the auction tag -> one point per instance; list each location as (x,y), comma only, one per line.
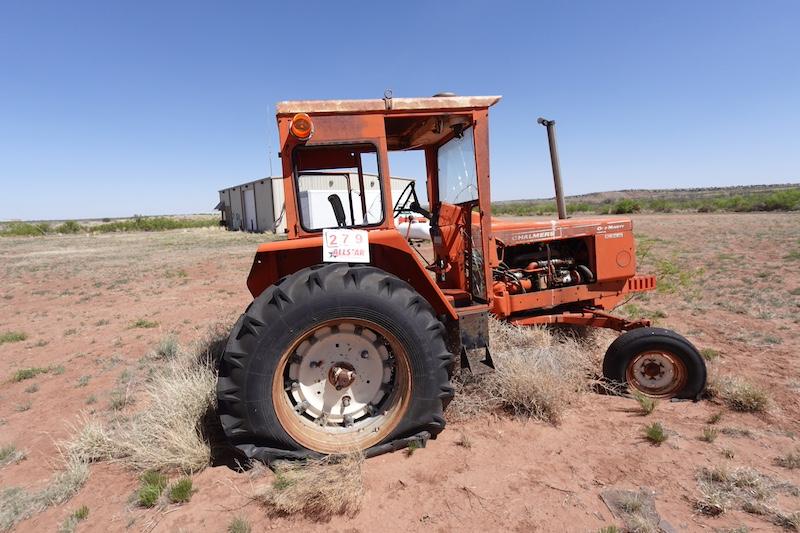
(345,246)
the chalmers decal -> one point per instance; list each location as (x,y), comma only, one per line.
(533,235)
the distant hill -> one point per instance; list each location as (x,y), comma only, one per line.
(740,198)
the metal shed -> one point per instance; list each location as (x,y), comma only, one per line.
(259,205)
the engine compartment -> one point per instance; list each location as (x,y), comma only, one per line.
(538,266)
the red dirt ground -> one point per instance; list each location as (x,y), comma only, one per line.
(737,291)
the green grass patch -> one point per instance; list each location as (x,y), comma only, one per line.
(181,491)
(239,525)
(646,403)
(411,448)
(81,513)
(152,485)
(28,373)
(709,354)
(143,323)
(10,454)
(12,336)
(655,433)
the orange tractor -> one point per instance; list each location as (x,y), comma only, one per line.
(353,335)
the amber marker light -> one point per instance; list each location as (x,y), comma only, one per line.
(302,127)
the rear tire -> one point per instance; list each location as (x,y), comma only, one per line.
(331,359)
(656,362)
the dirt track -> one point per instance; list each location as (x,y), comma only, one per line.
(736,290)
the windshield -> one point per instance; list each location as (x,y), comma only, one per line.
(457,173)
(347,176)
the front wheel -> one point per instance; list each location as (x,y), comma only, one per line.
(656,362)
(333,359)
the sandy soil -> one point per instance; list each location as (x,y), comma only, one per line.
(78,298)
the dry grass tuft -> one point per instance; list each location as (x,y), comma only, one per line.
(537,375)
(166,434)
(17,504)
(790,521)
(317,488)
(790,460)
(739,394)
(709,434)
(743,488)
(9,454)
(239,524)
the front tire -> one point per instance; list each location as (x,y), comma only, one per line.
(656,362)
(332,359)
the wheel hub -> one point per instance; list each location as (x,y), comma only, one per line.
(339,376)
(656,373)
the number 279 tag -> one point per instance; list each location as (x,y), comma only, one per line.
(345,246)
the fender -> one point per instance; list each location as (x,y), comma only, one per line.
(388,251)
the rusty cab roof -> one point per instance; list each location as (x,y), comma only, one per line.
(386,105)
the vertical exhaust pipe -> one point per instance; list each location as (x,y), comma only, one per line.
(551,139)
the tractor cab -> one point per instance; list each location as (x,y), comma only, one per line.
(347,143)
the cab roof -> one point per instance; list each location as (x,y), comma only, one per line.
(445,103)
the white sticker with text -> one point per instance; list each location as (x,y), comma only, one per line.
(345,246)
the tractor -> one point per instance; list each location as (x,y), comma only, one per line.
(353,334)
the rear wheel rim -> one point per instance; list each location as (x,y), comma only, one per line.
(343,385)
(656,373)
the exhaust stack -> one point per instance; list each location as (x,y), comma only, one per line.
(551,139)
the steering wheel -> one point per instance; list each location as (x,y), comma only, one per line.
(409,194)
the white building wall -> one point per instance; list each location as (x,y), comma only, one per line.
(270,199)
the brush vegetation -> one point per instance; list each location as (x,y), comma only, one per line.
(316,488)
(137,223)
(787,199)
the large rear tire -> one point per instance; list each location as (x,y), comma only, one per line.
(332,359)
(656,362)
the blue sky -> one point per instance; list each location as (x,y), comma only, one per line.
(112,108)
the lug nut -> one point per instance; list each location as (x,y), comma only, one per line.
(364,354)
